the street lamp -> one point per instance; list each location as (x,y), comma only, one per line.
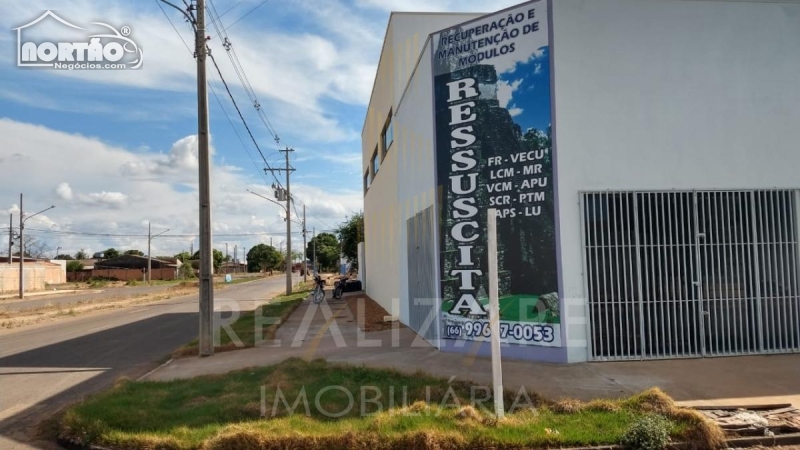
(288,253)
(22,220)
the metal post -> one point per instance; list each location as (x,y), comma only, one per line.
(305,246)
(494,315)
(206,253)
(149,258)
(21,252)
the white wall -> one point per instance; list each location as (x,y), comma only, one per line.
(671,94)
(404,183)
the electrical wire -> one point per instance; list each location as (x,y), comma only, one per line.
(214,92)
(241,74)
(264,2)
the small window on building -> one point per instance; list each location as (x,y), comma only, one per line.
(376,163)
(367,181)
(388,134)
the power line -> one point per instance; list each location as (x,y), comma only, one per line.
(241,74)
(213,91)
(103,235)
(239,111)
(245,15)
(232,8)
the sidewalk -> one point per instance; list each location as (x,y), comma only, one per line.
(310,333)
(15,295)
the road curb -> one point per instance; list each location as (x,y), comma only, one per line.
(156,369)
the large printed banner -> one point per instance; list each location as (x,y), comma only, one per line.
(493,150)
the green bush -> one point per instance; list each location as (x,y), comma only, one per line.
(647,433)
(74,266)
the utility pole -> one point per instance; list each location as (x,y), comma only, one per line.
(206,255)
(21,252)
(227,266)
(235,258)
(315,250)
(10,236)
(288,199)
(22,245)
(288,223)
(305,246)
(149,258)
(270,242)
(244,256)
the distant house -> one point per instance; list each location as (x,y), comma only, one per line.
(232,267)
(135,262)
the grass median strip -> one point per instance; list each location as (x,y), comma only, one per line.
(245,328)
(318,405)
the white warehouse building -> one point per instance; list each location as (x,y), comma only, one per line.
(644,160)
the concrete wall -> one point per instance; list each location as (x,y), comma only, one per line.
(406,172)
(670,94)
(36,278)
(122,274)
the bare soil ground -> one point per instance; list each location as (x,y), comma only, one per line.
(370,315)
(15,319)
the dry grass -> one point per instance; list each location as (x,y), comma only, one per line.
(30,316)
(16,319)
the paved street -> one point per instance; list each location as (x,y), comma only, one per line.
(46,367)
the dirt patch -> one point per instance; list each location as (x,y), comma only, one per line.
(369,314)
(15,319)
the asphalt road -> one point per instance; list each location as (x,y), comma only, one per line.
(46,367)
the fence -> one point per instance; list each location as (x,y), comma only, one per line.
(690,274)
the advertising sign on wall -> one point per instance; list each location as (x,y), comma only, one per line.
(493,150)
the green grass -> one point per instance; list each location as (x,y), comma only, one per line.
(245,328)
(510,308)
(224,412)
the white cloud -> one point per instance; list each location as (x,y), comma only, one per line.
(64,191)
(95,196)
(505,91)
(438,5)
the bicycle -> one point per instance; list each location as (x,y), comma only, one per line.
(319,290)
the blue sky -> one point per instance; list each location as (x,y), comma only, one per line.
(114,150)
(530,94)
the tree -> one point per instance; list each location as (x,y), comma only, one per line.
(263,257)
(183,256)
(33,248)
(74,266)
(81,255)
(65,257)
(135,252)
(111,253)
(327,251)
(219,257)
(351,232)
